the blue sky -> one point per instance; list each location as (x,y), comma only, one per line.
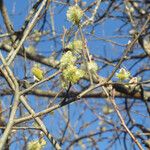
(107,30)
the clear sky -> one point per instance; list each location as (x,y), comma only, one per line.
(18,9)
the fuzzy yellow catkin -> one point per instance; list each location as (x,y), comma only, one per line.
(38,73)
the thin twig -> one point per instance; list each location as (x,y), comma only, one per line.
(122,120)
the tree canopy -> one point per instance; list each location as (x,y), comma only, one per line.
(75,74)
